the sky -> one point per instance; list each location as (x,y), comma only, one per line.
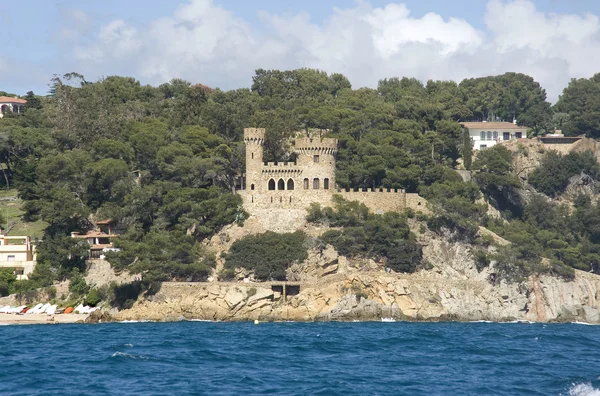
(220,43)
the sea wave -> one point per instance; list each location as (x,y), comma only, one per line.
(584,390)
(129,356)
(135,321)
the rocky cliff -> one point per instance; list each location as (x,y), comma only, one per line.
(335,288)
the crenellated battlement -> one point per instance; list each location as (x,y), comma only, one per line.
(254,135)
(281,171)
(325,145)
(279,164)
(373,190)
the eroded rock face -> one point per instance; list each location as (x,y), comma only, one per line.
(333,287)
(446,292)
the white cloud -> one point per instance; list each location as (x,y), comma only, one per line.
(204,42)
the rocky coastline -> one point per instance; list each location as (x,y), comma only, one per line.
(333,288)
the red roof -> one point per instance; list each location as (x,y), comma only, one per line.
(8,99)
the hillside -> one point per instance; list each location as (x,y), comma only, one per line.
(11,209)
(166,165)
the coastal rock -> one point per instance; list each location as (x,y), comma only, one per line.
(333,287)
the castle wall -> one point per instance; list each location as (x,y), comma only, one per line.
(378,200)
(417,203)
(286,199)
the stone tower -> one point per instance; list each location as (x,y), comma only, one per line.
(254,139)
(316,158)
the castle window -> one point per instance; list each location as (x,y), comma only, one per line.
(326,184)
(281,184)
(290,184)
(315,184)
(306,184)
(271,184)
(316,158)
(251,186)
(252,155)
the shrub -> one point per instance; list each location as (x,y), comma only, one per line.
(93,298)
(268,255)
(7,278)
(552,176)
(381,237)
(78,285)
(481,259)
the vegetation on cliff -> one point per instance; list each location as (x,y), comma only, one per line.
(358,233)
(267,255)
(163,162)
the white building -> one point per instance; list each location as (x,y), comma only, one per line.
(487,134)
(17,253)
(14,105)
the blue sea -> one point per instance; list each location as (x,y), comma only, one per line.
(207,358)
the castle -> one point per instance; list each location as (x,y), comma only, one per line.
(292,186)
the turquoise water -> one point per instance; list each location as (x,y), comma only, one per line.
(300,359)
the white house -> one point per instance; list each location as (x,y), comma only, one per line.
(487,134)
(14,105)
(17,253)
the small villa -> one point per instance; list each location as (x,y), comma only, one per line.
(9,104)
(17,253)
(100,239)
(487,134)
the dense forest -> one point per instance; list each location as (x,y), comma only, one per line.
(75,153)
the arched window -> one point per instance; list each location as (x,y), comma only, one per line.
(281,184)
(271,184)
(290,184)
(482,136)
(489,135)
(251,186)
(15,109)
(326,184)
(3,108)
(495,135)
(306,184)
(315,184)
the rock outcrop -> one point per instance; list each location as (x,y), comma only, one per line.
(335,288)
